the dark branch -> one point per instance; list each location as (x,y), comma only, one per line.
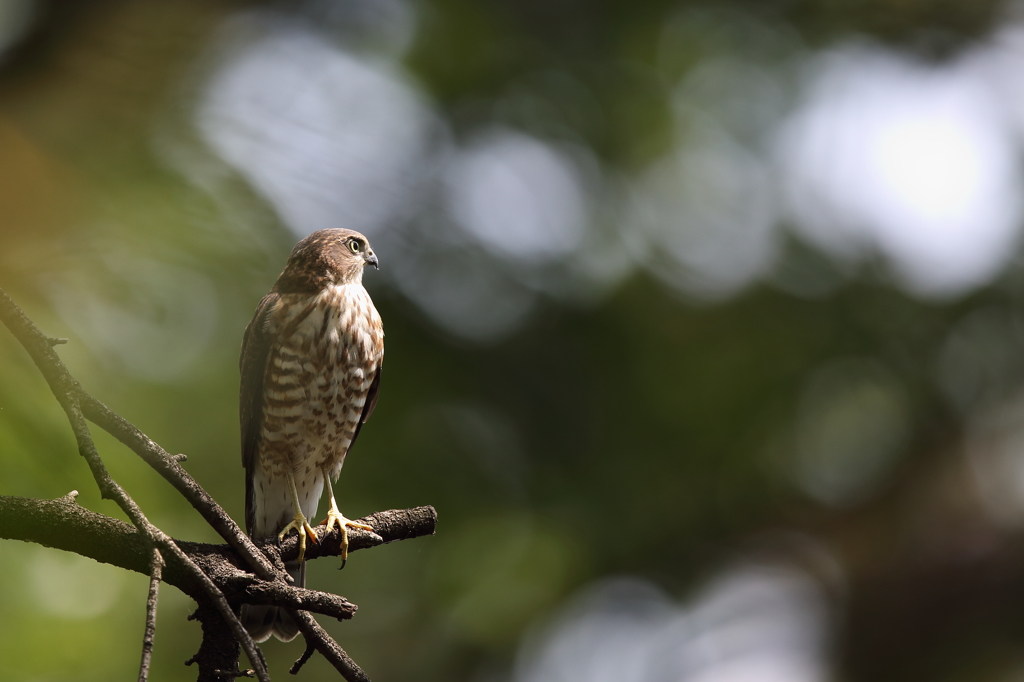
(156,570)
(217,657)
(63,524)
(301,660)
(318,638)
(168,466)
(71,397)
(65,388)
(388,526)
(211,574)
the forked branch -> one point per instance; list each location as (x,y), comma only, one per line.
(219,577)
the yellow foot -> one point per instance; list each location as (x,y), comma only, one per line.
(335,518)
(300,525)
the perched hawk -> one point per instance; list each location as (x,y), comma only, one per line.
(310,366)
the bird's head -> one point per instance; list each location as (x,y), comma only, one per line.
(334,256)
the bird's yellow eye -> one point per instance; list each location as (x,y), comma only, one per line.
(355,245)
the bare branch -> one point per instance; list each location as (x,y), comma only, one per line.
(63,524)
(65,387)
(157,565)
(70,396)
(213,594)
(317,637)
(212,574)
(168,466)
(301,660)
(217,657)
(388,526)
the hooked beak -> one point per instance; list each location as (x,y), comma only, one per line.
(371,258)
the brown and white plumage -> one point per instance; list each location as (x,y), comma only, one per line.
(310,366)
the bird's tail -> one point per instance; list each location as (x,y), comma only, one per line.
(262,621)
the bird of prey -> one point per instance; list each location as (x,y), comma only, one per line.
(310,366)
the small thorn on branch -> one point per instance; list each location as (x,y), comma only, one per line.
(180,457)
(70,498)
(53,341)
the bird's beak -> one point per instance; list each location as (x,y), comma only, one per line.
(371,258)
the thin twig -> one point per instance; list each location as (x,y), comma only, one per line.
(301,660)
(156,573)
(319,638)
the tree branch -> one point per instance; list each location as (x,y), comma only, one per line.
(63,385)
(212,574)
(318,638)
(69,393)
(156,569)
(63,524)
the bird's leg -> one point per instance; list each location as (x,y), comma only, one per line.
(300,524)
(335,517)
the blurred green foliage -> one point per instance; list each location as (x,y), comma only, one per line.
(639,432)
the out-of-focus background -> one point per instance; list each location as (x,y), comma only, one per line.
(705,322)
